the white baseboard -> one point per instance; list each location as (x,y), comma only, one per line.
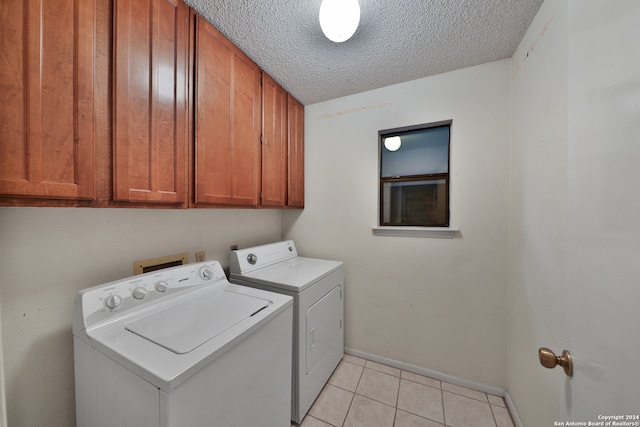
(428,372)
(442,377)
(512,410)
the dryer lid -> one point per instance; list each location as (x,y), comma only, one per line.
(183,328)
(295,274)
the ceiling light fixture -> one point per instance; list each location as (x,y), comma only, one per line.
(339,19)
(392,143)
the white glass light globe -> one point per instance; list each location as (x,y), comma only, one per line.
(392,143)
(339,19)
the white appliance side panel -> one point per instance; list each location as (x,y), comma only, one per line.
(108,395)
(306,388)
(297,350)
(324,328)
(327,319)
(258,369)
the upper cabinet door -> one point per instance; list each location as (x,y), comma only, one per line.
(228,95)
(47,145)
(295,177)
(150,146)
(274,143)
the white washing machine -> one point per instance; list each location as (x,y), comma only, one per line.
(182,347)
(316,286)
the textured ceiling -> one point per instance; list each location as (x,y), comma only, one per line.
(397,41)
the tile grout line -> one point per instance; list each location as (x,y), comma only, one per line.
(426,385)
(399,378)
(353,396)
(505,408)
(371,398)
(493,414)
(468,397)
(444,416)
(423,385)
(395,412)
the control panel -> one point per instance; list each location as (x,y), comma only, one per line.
(104,301)
(246,260)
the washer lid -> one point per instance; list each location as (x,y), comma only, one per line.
(183,328)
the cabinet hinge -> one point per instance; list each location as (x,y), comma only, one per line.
(260,139)
(260,79)
(261,195)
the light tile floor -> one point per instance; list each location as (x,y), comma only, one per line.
(362,393)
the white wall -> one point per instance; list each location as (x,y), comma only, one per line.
(537,213)
(602,291)
(47,254)
(438,304)
(575,235)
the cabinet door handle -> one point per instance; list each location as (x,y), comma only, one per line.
(313,337)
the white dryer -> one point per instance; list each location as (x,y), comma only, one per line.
(182,347)
(316,286)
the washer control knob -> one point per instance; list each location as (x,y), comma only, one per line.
(162,286)
(113,301)
(206,273)
(252,259)
(139,293)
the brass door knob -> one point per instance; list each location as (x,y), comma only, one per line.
(548,359)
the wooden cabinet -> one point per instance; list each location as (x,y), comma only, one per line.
(282,147)
(295,155)
(47,147)
(99,107)
(151,111)
(274,143)
(227,139)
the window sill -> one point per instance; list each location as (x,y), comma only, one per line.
(430,232)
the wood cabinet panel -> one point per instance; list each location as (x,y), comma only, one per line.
(227,146)
(47,146)
(96,110)
(150,132)
(274,143)
(295,158)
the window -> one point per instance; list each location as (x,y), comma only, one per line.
(414,175)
